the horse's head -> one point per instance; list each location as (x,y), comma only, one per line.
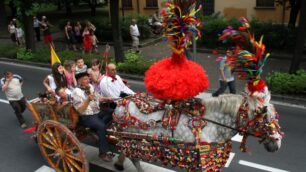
(263,122)
(271,133)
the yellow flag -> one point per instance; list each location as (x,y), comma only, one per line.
(54,57)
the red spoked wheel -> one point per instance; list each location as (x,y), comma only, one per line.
(61,148)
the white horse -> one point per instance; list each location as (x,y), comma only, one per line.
(216,121)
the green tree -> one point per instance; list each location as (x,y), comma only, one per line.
(25,12)
(295,8)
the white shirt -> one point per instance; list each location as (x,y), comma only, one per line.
(36,23)
(134,30)
(52,83)
(79,97)
(80,70)
(12,29)
(113,88)
(13,91)
(19,32)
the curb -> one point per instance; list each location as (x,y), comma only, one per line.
(274,97)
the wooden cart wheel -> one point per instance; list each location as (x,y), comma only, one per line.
(61,148)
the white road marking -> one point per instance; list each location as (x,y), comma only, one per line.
(237,138)
(288,104)
(259,166)
(4,101)
(45,169)
(231,157)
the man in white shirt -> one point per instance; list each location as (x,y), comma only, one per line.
(112,85)
(11,84)
(36,26)
(135,34)
(87,103)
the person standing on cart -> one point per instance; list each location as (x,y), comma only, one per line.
(87,102)
(11,84)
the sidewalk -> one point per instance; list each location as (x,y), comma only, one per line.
(157,49)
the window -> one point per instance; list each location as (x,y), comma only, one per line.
(208,7)
(265,3)
(152,3)
(127,3)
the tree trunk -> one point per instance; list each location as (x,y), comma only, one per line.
(13,8)
(3,17)
(284,2)
(59,5)
(93,10)
(300,41)
(295,9)
(68,8)
(92,5)
(76,3)
(28,30)
(114,10)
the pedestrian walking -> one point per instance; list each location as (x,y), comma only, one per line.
(36,26)
(134,32)
(11,85)
(226,77)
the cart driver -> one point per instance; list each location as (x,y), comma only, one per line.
(86,102)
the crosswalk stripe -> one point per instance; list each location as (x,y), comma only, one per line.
(44,168)
(4,101)
(259,166)
(237,138)
(231,157)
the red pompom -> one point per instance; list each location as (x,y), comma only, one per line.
(259,86)
(175,78)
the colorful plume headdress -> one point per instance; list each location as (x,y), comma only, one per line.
(179,27)
(249,56)
(175,77)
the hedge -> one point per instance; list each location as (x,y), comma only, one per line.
(276,36)
(285,83)
(134,63)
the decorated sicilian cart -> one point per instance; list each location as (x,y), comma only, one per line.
(171,125)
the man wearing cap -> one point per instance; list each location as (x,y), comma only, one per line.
(87,103)
(11,84)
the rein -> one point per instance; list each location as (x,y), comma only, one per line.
(229,127)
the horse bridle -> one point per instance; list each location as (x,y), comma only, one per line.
(244,124)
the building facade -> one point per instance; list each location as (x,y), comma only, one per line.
(263,10)
(143,7)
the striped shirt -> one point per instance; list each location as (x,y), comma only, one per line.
(13,91)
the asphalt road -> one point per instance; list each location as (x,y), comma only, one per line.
(18,153)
